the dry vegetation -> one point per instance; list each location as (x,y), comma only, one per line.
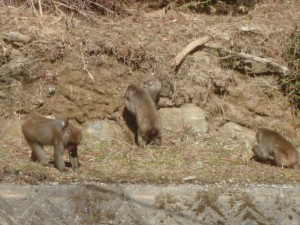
(89,51)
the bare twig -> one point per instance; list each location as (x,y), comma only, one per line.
(83,13)
(178,59)
(40,7)
(206,97)
(101,6)
(267,61)
(32,6)
(85,66)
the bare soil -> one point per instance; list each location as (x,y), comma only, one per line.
(80,69)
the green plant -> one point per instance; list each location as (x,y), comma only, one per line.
(291,81)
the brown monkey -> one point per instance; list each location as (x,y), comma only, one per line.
(138,101)
(40,131)
(273,146)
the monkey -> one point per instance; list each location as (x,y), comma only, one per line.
(273,146)
(139,102)
(40,131)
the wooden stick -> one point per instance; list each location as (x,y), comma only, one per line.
(40,7)
(33,8)
(267,61)
(193,45)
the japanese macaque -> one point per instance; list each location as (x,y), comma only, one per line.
(139,102)
(40,131)
(273,146)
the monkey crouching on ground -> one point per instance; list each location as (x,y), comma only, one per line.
(59,133)
(140,103)
(273,146)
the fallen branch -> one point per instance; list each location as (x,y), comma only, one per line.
(193,45)
(102,7)
(267,61)
(33,8)
(81,12)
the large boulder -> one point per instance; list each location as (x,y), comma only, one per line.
(102,130)
(189,117)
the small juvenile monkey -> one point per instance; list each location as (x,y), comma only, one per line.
(139,102)
(40,131)
(273,146)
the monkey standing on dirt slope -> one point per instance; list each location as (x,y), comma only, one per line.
(140,102)
(272,145)
(40,131)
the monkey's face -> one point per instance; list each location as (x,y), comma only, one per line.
(72,137)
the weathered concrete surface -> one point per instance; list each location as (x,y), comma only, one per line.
(139,204)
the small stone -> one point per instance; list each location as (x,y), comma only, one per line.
(188,178)
(17,37)
(51,91)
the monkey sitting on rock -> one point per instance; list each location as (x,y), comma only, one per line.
(273,146)
(40,131)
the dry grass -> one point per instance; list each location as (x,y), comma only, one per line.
(208,161)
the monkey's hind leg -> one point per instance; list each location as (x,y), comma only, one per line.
(38,154)
(284,160)
(141,140)
(59,162)
(73,155)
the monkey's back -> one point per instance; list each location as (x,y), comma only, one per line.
(147,115)
(42,130)
(277,144)
(134,95)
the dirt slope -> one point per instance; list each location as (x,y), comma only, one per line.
(80,69)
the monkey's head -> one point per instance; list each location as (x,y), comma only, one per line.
(259,134)
(131,91)
(72,136)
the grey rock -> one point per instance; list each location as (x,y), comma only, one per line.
(188,178)
(103,130)
(17,69)
(15,53)
(189,117)
(16,36)
(238,132)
